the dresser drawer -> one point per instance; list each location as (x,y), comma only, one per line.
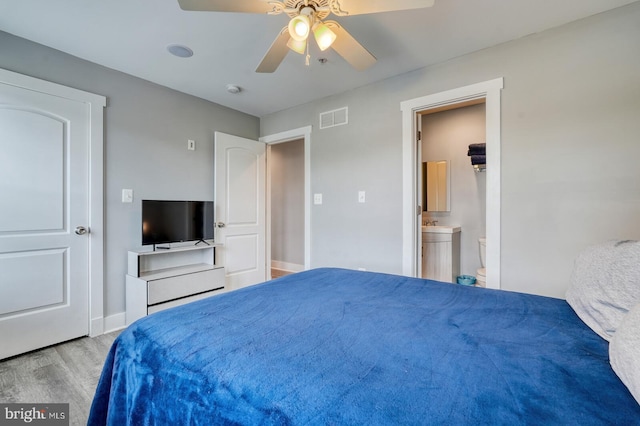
(178,286)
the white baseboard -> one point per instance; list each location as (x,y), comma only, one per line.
(286,266)
(114,322)
(97,327)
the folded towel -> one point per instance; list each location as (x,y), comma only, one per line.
(477,149)
(478,159)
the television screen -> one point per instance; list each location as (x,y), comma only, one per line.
(176,221)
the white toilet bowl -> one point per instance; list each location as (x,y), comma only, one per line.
(481,273)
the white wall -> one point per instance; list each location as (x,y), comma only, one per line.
(570,151)
(446,135)
(146,131)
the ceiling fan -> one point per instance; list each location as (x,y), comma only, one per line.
(307,17)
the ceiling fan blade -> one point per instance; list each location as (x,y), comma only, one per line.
(276,53)
(241,6)
(349,48)
(361,7)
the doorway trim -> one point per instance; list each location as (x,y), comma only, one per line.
(288,136)
(95,107)
(489,90)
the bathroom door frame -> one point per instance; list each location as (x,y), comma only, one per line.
(411,221)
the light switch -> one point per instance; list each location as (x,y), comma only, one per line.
(127,195)
(191,145)
(317,199)
(361,198)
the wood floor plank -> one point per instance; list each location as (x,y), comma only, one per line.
(66,373)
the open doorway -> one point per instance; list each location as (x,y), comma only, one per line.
(288,239)
(453,189)
(286,198)
(412,111)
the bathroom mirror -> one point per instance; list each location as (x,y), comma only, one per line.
(436,186)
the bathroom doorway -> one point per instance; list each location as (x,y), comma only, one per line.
(457,199)
(412,110)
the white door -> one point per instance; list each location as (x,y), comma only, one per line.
(44,151)
(240,182)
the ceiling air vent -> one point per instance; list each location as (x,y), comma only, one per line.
(337,117)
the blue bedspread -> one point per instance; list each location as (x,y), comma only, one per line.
(336,347)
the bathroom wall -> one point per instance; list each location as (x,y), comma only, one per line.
(446,135)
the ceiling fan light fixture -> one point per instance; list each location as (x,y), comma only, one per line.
(299,27)
(324,36)
(298,46)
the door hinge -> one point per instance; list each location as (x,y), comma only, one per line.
(419,135)
(419,210)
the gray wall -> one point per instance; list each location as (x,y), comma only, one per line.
(570,151)
(446,135)
(287,202)
(146,131)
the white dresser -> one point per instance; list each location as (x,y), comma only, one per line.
(161,279)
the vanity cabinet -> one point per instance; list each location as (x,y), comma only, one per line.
(441,253)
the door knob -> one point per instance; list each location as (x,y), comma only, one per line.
(220,225)
(81,230)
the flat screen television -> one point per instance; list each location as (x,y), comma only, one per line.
(176,221)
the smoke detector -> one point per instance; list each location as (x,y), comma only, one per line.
(232,88)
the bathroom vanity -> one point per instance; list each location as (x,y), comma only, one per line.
(441,253)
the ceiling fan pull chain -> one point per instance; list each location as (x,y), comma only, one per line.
(308,56)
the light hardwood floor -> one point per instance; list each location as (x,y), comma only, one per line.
(65,373)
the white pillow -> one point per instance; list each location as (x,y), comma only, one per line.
(605,284)
(624,351)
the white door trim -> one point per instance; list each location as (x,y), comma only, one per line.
(96,105)
(289,135)
(490,90)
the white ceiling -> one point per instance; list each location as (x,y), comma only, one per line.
(132,35)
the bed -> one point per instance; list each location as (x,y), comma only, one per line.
(334,346)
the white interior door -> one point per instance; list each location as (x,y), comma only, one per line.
(419,249)
(240,182)
(44,267)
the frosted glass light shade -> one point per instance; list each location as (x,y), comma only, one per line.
(299,27)
(297,46)
(324,36)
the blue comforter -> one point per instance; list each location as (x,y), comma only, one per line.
(333,346)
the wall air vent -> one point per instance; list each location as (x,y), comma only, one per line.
(337,117)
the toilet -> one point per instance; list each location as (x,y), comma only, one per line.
(481,273)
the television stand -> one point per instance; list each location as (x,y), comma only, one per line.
(158,280)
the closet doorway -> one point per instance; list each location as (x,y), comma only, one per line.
(412,111)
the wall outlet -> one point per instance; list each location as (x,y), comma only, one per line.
(317,199)
(191,145)
(361,196)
